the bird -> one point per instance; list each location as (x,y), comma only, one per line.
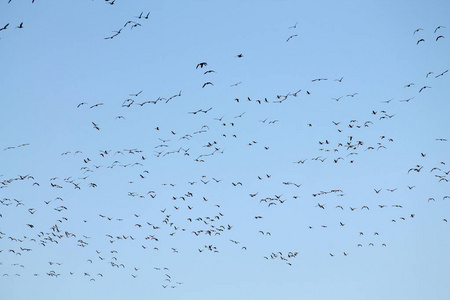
(441,74)
(205,84)
(201,65)
(294,35)
(21,26)
(441,36)
(424,87)
(421,40)
(294,26)
(137,94)
(417,30)
(96,105)
(439,27)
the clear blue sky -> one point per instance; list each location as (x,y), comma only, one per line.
(130,172)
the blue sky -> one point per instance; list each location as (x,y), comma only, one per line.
(184,192)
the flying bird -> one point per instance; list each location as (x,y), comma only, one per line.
(96,105)
(439,27)
(201,65)
(424,87)
(291,37)
(294,26)
(137,94)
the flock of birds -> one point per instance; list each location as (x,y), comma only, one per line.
(418,30)
(192,208)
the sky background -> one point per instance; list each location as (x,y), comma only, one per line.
(184,192)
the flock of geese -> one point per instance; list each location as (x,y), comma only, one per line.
(187,207)
(419,30)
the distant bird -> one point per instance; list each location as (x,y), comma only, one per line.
(417,30)
(96,105)
(439,27)
(137,94)
(4,27)
(201,65)
(294,35)
(421,40)
(295,26)
(206,83)
(424,87)
(239,55)
(322,206)
(442,74)
(441,36)
(21,26)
